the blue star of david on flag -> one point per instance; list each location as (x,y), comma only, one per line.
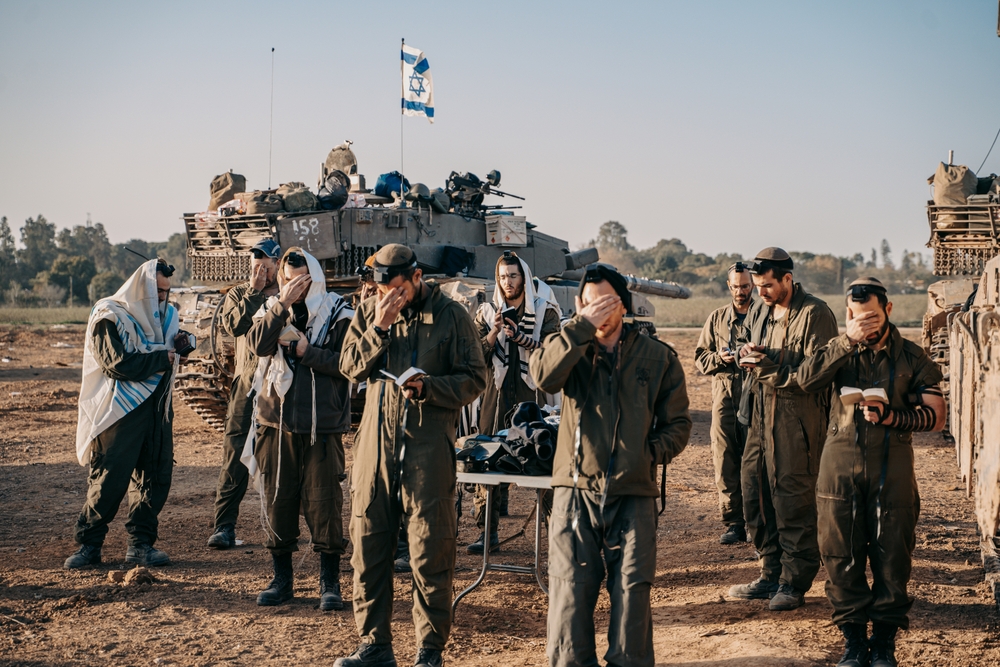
(418,87)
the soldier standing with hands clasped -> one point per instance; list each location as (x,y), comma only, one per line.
(404,456)
(624,412)
(867,490)
(785,438)
(242,302)
(724,334)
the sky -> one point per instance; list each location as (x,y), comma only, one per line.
(729,125)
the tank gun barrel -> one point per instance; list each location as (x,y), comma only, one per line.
(657,287)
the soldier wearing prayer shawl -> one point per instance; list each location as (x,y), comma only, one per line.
(124,430)
(301,412)
(507,342)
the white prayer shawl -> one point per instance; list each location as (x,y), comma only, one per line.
(537,298)
(143,328)
(273,372)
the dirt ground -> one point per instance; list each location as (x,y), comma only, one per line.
(201,609)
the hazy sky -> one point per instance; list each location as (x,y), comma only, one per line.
(729,125)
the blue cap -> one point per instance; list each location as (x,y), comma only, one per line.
(269,247)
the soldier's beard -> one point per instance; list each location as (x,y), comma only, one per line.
(874,339)
(741,299)
(518,291)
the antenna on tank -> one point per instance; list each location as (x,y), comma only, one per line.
(270,129)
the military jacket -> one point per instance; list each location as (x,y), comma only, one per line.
(238,309)
(414,438)
(722,330)
(902,368)
(632,404)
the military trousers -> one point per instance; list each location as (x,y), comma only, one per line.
(728,443)
(779,498)
(426,503)
(302,477)
(233,477)
(134,456)
(852,533)
(619,542)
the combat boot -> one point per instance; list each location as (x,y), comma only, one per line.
(224,537)
(369,655)
(735,534)
(428,657)
(329,583)
(855,645)
(758,589)
(280,588)
(477,546)
(883,645)
(787,597)
(87,554)
(145,554)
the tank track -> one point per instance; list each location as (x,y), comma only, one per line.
(205,390)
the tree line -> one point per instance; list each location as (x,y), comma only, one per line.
(673,261)
(75,265)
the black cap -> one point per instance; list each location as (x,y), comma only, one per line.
(268,248)
(600,272)
(862,288)
(392,260)
(771,258)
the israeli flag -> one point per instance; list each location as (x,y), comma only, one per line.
(418,88)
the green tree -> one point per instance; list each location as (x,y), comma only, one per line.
(38,238)
(104,284)
(612,235)
(90,240)
(886,252)
(8,255)
(77,271)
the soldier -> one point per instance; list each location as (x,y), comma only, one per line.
(241,304)
(867,492)
(721,338)
(302,410)
(785,438)
(507,342)
(125,426)
(624,412)
(404,452)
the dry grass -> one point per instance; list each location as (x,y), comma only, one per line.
(908,309)
(75,315)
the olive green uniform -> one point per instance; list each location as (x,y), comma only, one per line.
(863,517)
(238,309)
(300,475)
(785,439)
(725,329)
(133,456)
(404,459)
(496,404)
(623,414)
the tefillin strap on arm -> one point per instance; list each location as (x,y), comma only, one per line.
(920,418)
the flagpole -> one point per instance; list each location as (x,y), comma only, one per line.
(402,96)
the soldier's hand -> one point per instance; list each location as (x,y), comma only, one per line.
(299,347)
(599,310)
(860,327)
(413,388)
(875,412)
(258,277)
(727,355)
(388,307)
(747,350)
(498,322)
(170,356)
(509,328)
(294,289)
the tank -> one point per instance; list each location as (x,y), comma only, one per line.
(457,236)
(962,334)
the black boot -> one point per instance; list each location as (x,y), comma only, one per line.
(369,655)
(329,583)
(280,588)
(855,645)
(883,645)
